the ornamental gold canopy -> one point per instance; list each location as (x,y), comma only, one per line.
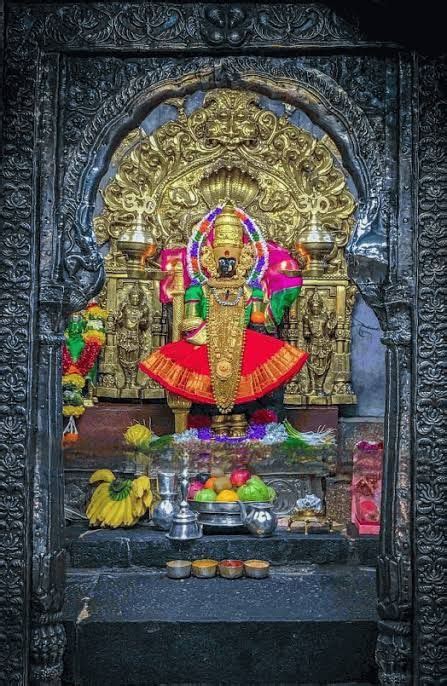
(230,149)
(284,176)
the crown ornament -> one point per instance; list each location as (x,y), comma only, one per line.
(228,229)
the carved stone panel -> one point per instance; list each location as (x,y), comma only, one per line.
(431,395)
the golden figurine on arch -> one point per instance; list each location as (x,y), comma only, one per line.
(233,155)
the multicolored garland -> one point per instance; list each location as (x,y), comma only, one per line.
(202,230)
(88,328)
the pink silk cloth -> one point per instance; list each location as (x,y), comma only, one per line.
(272,281)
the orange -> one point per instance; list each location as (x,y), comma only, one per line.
(257,317)
(227,496)
(209,483)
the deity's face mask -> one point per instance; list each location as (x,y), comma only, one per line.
(227,266)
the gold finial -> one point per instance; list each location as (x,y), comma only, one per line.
(228,229)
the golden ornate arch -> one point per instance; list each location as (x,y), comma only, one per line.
(300,196)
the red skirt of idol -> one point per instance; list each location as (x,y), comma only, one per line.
(183,368)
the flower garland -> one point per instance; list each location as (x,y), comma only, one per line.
(88,328)
(268,434)
(202,230)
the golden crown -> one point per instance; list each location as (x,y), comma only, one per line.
(228,229)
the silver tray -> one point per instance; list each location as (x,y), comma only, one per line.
(220,514)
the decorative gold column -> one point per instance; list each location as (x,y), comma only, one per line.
(180,406)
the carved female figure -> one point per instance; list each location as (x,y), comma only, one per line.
(220,360)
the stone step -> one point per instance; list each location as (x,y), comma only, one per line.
(145,547)
(303,625)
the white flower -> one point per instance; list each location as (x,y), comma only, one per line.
(185,436)
(309,502)
(274,433)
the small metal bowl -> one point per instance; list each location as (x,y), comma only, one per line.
(204,569)
(178,569)
(231,569)
(257,569)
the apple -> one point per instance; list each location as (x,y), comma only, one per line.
(193,488)
(239,477)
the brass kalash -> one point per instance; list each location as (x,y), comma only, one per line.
(298,195)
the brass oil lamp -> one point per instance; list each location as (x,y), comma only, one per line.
(317,244)
(138,244)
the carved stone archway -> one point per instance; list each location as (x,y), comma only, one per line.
(68,62)
(327,104)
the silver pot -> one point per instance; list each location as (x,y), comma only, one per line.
(259,518)
(184,524)
(164,511)
(166,483)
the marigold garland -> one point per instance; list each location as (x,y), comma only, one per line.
(73,379)
(75,371)
(70,434)
(70,437)
(97,336)
(88,357)
(95,312)
(73,410)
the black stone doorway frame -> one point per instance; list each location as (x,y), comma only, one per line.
(77,76)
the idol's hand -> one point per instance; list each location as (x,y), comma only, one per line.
(191,323)
(197,336)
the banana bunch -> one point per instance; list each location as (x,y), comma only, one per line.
(118,502)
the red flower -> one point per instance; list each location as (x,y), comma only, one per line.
(88,357)
(66,359)
(263,417)
(198,421)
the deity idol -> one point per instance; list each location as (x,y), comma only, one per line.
(220,360)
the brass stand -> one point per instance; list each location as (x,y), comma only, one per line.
(234,425)
(308,518)
(180,406)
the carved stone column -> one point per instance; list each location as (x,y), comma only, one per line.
(47,633)
(393,651)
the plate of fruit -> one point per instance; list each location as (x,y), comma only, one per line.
(217,498)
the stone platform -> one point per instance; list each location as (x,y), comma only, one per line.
(312,622)
(144,547)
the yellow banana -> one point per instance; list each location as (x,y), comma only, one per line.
(102,475)
(121,514)
(97,501)
(137,507)
(118,515)
(148,498)
(141,484)
(107,512)
(127,518)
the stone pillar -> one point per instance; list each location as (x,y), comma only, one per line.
(393,652)
(47,632)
